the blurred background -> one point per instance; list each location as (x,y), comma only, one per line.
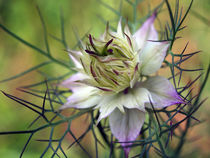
(82,16)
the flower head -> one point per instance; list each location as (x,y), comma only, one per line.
(111,78)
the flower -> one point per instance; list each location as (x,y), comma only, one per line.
(113,77)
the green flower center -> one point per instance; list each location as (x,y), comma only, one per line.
(110,62)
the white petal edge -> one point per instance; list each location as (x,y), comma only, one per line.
(126,126)
(108,104)
(152,56)
(135,98)
(146,32)
(162,92)
(72,82)
(90,102)
(82,97)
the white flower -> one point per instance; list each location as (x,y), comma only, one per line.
(111,78)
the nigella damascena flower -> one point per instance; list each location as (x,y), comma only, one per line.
(113,76)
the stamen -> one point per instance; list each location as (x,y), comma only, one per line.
(90,52)
(116,72)
(126,64)
(129,40)
(104,52)
(136,67)
(114,81)
(93,72)
(108,43)
(91,43)
(83,65)
(104,89)
(106,59)
(91,40)
(107,77)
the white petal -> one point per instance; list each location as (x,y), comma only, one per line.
(72,82)
(135,98)
(90,102)
(108,104)
(146,32)
(162,92)
(82,97)
(82,93)
(126,126)
(152,56)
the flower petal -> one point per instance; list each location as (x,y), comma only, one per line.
(126,126)
(90,102)
(152,56)
(108,104)
(146,32)
(135,98)
(82,97)
(72,82)
(162,92)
